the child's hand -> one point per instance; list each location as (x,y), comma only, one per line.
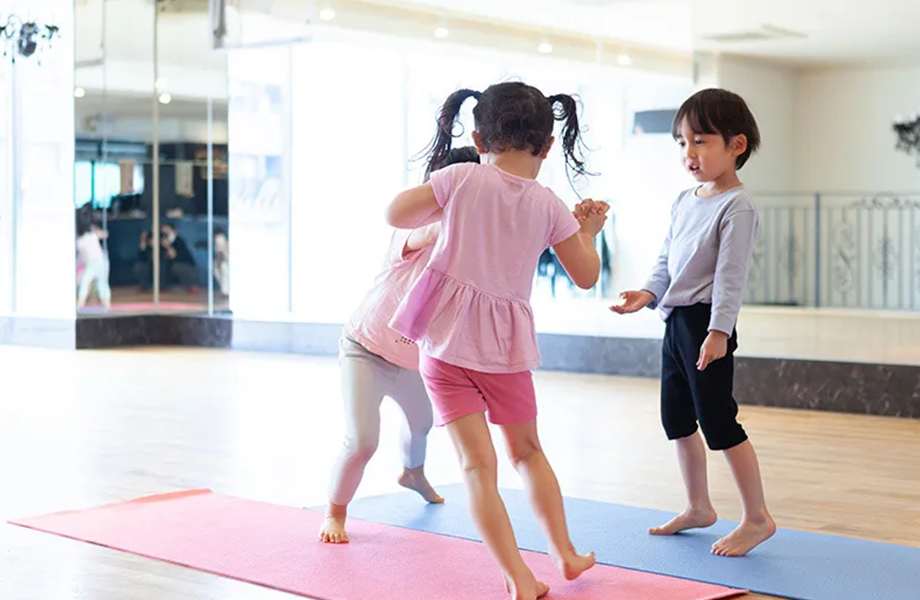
(591,214)
(714,348)
(587,207)
(633,302)
(582,209)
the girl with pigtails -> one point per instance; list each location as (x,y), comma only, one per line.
(469,311)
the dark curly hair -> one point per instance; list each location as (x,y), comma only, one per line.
(513,115)
(465,154)
(716,111)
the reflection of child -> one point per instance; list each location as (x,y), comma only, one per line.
(376,361)
(222,261)
(698,284)
(95,267)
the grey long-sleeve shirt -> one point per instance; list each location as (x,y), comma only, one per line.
(706,256)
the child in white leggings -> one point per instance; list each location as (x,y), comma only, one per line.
(95,267)
(376,361)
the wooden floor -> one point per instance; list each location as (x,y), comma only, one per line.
(82,428)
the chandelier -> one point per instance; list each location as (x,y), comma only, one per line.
(908,131)
(25,38)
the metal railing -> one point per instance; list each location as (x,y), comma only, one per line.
(837,250)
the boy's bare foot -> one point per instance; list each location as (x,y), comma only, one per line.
(573,565)
(747,536)
(689,519)
(415,480)
(531,590)
(333,530)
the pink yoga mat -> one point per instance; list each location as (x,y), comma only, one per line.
(277,547)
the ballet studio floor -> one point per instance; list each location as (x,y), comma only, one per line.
(80,429)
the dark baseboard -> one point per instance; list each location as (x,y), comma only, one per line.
(876,389)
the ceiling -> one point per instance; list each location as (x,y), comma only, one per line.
(658,23)
(819,31)
(795,31)
(877,31)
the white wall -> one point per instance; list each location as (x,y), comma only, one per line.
(37,145)
(843,121)
(826,129)
(770,92)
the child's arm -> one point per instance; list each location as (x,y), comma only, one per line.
(736,251)
(413,208)
(577,253)
(422,237)
(659,281)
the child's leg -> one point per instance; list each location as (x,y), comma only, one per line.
(86,284)
(460,405)
(545,497)
(363,375)
(102,286)
(691,454)
(512,404)
(718,415)
(678,417)
(757,526)
(409,392)
(471,438)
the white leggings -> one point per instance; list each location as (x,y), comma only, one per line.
(95,271)
(366,379)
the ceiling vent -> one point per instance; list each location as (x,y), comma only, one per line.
(763,34)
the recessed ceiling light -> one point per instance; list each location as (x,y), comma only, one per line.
(165,98)
(78,92)
(545,47)
(327,14)
(441,32)
(624,60)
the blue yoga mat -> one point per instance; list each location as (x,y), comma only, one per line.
(792,564)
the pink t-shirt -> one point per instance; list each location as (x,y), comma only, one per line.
(471,305)
(369,324)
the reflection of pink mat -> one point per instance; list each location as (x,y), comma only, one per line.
(277,547)
(162,306)
(147,307)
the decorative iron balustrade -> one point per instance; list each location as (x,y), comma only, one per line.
(837,250)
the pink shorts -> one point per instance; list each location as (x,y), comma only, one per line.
(455,392)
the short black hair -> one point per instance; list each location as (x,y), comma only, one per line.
(462,155)
(466,154)
(716,111)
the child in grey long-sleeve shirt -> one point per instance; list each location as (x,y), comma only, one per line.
(697,285)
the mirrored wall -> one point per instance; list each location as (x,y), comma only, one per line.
(327,111)
(150,168)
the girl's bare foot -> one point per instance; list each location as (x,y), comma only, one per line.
(573,565)
(689,519)
(747,536)
(333,530)
(415,480)
(529,590)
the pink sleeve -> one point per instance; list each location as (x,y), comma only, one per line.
(564,224)
(444,181)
